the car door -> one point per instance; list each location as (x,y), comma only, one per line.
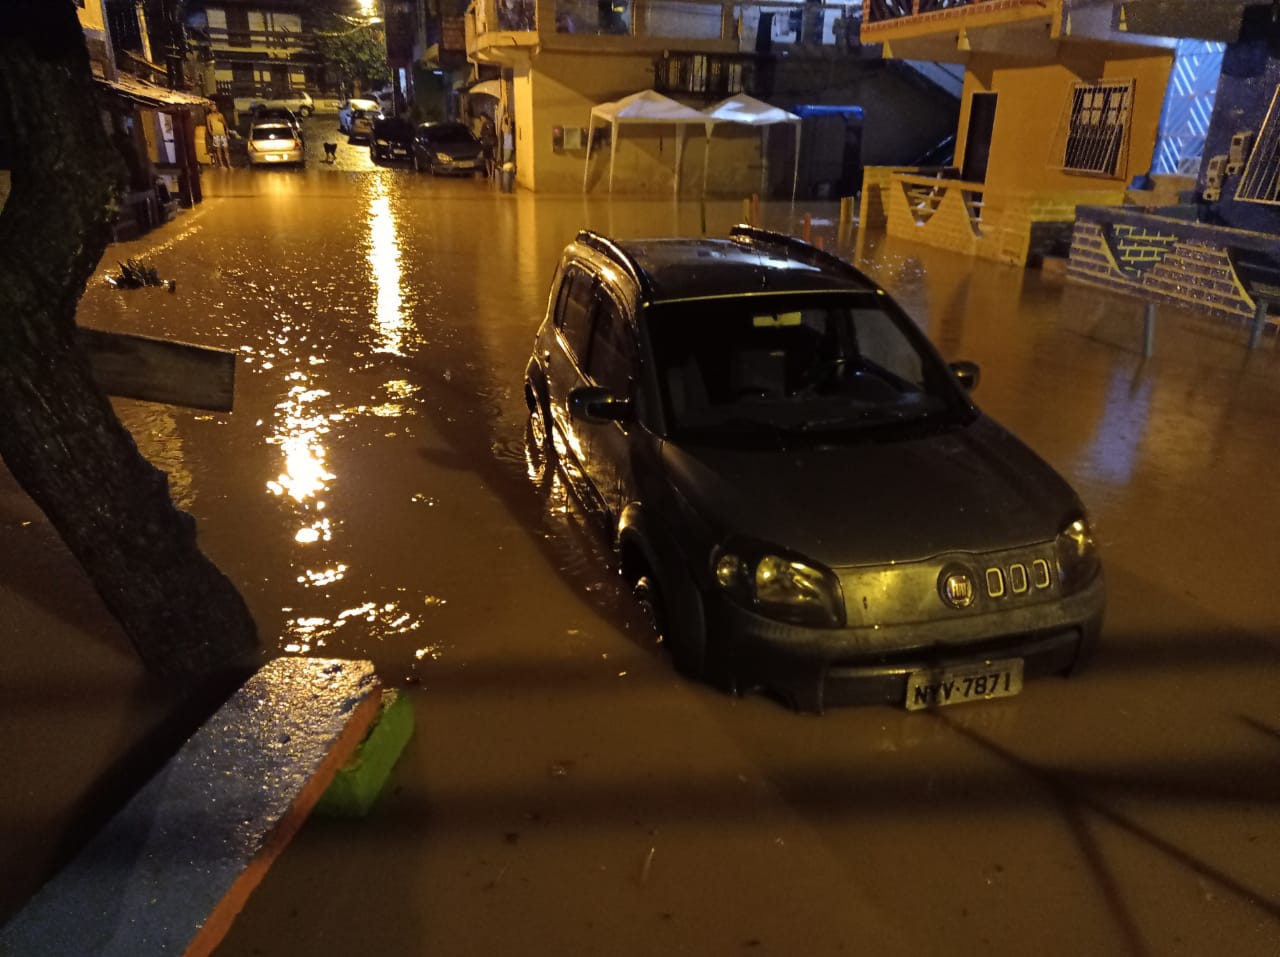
(565,363)
(612,363)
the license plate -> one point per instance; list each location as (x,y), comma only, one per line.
(937,687)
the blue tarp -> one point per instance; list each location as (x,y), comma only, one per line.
(818,109)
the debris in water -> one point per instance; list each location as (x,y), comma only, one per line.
(134,274)
(647,866)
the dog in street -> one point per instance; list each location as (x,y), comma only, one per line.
(330,152)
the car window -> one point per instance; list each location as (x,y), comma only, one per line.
(575,310)
(453,133)
(272,132)
(796,364)
(613,351)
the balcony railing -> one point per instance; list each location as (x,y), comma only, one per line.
(879,11)
(741,27)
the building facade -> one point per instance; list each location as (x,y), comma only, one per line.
(1060,108)
(557,59)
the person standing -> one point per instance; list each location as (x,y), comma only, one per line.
(508,139)
(489,141)
(216,124)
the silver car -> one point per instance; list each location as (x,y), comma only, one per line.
(274,142)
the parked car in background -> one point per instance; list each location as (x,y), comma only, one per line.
(392,138)
(272,143)
(362,125)
(350,108)
(298,101)
(447,148)
(800,490)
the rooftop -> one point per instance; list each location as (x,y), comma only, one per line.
(680,269)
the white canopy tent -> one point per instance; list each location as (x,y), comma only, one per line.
(647,106)
(752,112)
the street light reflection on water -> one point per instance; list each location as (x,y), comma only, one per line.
(304,423)
(392,323)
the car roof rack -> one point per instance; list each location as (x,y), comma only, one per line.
(615,252)
(799,250)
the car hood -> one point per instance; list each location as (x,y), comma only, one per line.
(976,488)
(457,150)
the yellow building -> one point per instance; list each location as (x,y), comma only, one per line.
(560,58)
(1059,109)
(260,49)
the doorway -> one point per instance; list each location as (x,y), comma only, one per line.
(977,144)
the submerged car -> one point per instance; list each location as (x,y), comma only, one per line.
(274,142)
(447,148)
(391,138)
(801,492)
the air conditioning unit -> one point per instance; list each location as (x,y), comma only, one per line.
(1212,194)
(1240,144)
(1233,169)
(1213,172)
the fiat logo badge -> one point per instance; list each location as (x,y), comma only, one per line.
(955,585)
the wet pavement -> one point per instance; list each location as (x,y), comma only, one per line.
(565,792)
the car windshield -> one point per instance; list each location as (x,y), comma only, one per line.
(449,134)
(274,131)
(393,127)
(798,365)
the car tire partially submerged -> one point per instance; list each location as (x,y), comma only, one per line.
(803,496)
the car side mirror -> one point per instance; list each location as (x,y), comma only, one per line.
(967,373)
(594,404)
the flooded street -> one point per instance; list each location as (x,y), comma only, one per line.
(565,792)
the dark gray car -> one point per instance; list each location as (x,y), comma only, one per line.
(802,493)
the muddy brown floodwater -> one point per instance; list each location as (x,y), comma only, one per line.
(565,792)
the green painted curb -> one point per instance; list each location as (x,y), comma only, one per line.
(356,787)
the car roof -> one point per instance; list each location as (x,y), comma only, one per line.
(698,268)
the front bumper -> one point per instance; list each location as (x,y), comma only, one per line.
(458,165)
(274,157)
(814,668)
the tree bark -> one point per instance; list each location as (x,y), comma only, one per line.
(59,435)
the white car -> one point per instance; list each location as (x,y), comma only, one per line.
(353,106)
(299,101)
(274,142)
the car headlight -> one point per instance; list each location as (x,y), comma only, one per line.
(444,157)
(778,586)
(381,142)
(1077,554)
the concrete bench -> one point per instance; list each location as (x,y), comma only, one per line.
(169,873)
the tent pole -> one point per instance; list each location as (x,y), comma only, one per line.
(764,161)
(679,155)
(706,153)
(795,177)
(614,136)
(586,163)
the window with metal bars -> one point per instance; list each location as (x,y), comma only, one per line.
(1260,182)
(1097,127)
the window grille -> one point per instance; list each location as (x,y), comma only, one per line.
(1261,180)
(1097,127)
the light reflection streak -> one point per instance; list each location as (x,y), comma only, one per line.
(305,474)
(391,324)
(377,621)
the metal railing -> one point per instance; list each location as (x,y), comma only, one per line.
(748,27)
(878,11)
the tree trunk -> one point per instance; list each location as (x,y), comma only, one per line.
(59,435)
